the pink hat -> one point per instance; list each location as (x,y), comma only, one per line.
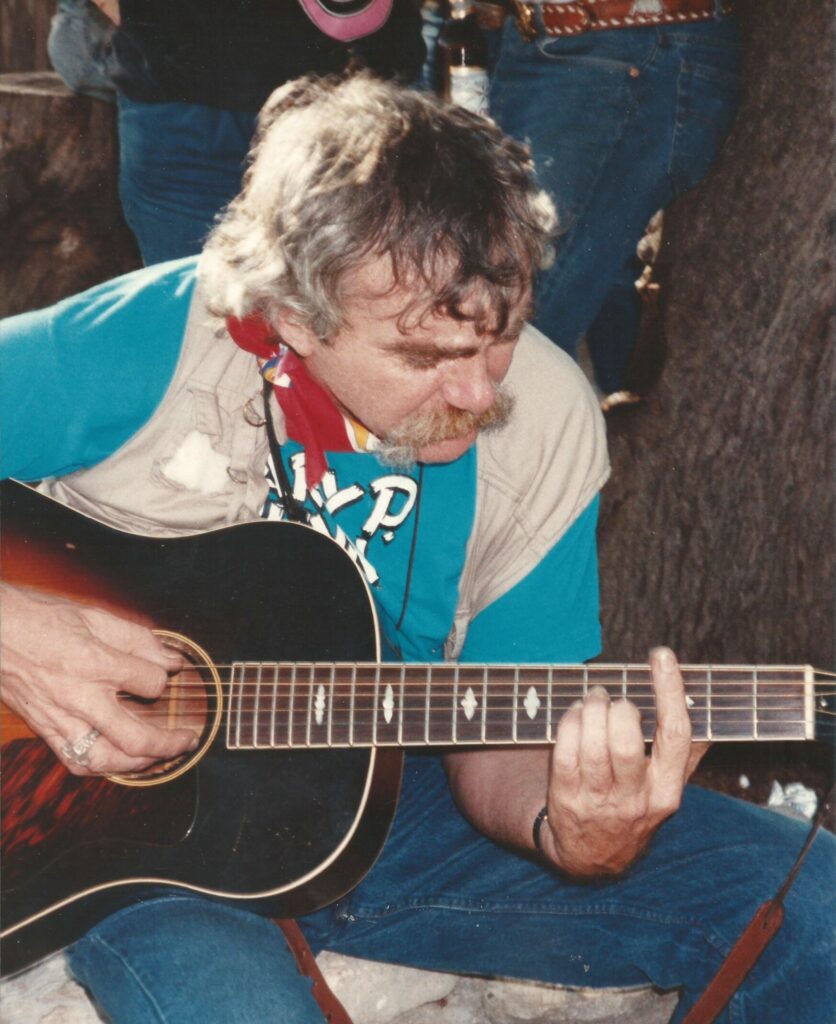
(346,20)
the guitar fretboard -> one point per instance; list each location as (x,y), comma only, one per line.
(282,705)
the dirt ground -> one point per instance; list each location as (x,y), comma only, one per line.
(812,764)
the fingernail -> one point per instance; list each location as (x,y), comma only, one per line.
(663,657)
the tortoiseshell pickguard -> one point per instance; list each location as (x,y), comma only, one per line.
(48,812)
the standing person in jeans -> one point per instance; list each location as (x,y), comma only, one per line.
(191,78)
(80,46)
(625,104)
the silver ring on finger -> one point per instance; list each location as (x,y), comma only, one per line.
(79,752)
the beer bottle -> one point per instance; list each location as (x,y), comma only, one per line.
(462,58)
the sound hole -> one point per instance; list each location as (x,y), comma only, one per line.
(193,699)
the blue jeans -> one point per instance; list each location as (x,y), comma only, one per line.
(81,50)
(179,165)
(443,897)
(619,122)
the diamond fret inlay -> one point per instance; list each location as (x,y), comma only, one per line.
(531,702)
(469,703)
(388,703)
(319,704)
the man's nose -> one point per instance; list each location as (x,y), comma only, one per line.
(467,385)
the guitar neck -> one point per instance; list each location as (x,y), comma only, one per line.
(284,705)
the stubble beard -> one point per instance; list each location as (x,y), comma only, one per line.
(400,449)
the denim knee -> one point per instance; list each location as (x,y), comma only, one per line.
(186,960)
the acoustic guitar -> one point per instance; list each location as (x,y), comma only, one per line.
(288,798)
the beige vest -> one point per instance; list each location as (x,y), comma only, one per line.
(198,463)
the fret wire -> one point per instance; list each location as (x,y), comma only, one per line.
(274,705)
(710,721)
(240,708)
(427,705)
(228,707)
(310,704)
(755,724)
(331,705)
(351,705)
(453,722)
(549,684)
(257,708)
(375,700)
(809,703)
(229,712)
(292,696)
(400,704)
(484,703)
(516,702)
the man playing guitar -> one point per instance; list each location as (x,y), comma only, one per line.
(376,271)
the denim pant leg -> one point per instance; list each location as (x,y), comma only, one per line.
(443,897)
(619,122)
(81,50)
(611,335)
(184,960)
(179,165)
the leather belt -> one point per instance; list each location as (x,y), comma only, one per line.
(597,15)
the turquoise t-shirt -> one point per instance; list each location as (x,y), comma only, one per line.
(79,379)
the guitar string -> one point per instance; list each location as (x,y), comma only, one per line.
(749,672)
(731,687)
(500,702)
(766,718)
(499,705)
(769,714)
(439,701)
(327,675)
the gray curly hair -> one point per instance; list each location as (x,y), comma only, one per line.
(346,169)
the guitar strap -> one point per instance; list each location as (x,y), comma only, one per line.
(293,509)
(332,1009)
(754,940)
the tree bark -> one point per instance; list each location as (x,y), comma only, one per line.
(717,525)
(60,217)
(24,28)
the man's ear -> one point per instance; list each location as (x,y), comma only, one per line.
(294,333)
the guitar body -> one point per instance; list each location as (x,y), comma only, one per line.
(282,831)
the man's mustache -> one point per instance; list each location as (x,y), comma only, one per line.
(401,446)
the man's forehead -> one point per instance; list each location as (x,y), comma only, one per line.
(371,288)
(370,292)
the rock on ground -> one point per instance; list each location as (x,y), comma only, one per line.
(378,994)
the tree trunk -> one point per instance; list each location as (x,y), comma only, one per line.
(60,218)
(716,533)
(24,28)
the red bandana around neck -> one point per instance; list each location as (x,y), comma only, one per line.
(310,416)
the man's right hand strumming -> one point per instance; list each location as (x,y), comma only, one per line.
(64,665)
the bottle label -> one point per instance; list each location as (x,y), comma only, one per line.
(469,88)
